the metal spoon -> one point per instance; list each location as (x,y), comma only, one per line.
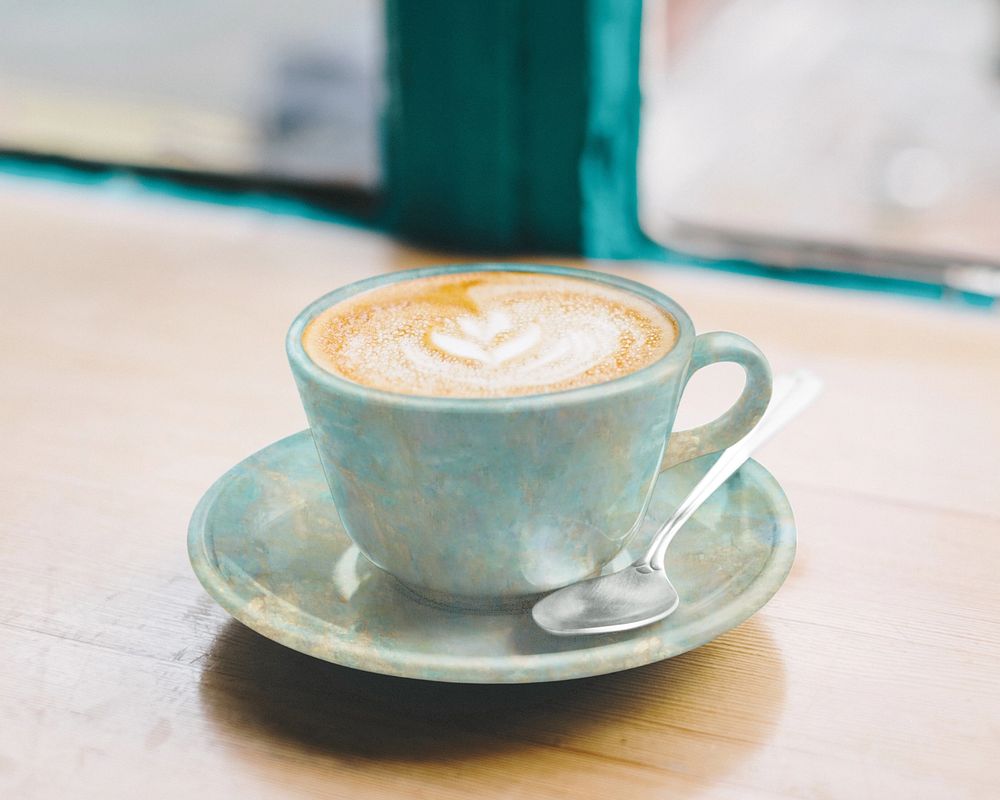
(641,593)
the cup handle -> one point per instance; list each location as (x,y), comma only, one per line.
(711,348)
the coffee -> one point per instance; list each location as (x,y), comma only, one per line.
(489,334)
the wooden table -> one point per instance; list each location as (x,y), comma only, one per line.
(141,347)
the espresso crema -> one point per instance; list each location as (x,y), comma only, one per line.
(489,334)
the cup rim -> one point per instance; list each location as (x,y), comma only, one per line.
(667,364)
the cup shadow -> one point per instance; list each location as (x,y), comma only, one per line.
(693,714)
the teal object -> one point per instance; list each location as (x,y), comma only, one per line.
(267,543)
(126,183)
(140,186)
(485,502)
(609,161)
(514,125)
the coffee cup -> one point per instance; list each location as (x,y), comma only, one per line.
(485,502)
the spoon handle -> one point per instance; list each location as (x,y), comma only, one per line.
(791,394)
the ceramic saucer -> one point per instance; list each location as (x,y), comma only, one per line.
(267,544)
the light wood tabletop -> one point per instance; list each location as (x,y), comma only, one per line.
(141,342)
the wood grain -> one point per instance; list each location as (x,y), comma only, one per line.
(141,345)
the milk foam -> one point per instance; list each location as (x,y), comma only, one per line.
(489,334)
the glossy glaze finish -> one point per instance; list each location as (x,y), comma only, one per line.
(485,503)
(267,544)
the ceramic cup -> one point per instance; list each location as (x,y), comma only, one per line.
(487,502)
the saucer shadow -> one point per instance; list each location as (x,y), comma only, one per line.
(698,715)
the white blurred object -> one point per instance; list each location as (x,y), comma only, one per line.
(917,177)
(843,126)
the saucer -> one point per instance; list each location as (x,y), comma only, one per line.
(267,544)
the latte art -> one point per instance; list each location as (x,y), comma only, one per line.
(489,334)
(476,336)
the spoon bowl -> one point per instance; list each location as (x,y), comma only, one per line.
(629,598)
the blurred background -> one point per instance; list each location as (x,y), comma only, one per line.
(846,128)
(853,135)
(286,91)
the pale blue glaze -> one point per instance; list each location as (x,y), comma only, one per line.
(267,543)
(486,502)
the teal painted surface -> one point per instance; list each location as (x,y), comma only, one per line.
(135,185)
(609,210)
(491,139)
(452,121)
(554,101)
(267,543)
(479,502)
(850,281)
(125,183)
